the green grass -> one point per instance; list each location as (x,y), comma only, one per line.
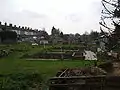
(13,64)
(46,68)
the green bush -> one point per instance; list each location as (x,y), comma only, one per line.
(21,81)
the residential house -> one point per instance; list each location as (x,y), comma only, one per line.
(23,33)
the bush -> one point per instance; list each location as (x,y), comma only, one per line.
(21,81)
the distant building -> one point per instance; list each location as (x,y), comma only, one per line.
(43,40)
(23,33)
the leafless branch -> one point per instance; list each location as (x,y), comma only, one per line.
(110,29)
(109,12)
(103,32)
(110,3)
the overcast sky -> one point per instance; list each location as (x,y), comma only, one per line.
(70,16)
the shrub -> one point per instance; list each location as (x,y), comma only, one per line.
(21,81)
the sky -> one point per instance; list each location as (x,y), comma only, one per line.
(70,16)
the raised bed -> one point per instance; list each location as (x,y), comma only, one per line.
(54,55)
(100,82)
(93,78)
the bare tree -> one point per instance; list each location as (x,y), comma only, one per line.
(110,22)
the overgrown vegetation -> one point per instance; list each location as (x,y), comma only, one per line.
(21,81)
(23,70)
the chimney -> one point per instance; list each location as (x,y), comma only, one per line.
(15,26)
(5,24)
(10,25)
(22,27)
(28,28)
(19,27)
(25,28)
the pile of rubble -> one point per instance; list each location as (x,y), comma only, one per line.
(90,71)
(108,68)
